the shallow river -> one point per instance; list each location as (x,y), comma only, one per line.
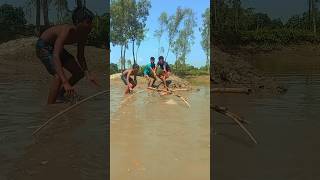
(286,126)
(156,137)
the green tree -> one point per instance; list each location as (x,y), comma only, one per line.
(119,29)
(12,21)
(182,45)
(138,13)
(205,33)
(113,68)
(163,21)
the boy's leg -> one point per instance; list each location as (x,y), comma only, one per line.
(70,64)
(54,89)
(154,80)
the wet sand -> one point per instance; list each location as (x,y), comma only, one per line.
(157,138)
(286,126)
(73,146)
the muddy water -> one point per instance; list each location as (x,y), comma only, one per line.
(72,147)
(286,126)
(157,138)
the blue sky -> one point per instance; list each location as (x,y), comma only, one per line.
(149,47)
(278,9)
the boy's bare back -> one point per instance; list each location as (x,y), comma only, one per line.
(51,34)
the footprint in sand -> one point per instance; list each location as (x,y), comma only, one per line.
(171,101)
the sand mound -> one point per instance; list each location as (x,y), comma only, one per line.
(173,81)
(233,71)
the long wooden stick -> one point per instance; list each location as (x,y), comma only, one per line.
(222,111)
(68,109)
(226,112)
(171,92)
(131,95)
(231,90)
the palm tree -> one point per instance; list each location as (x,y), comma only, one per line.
(314,13)
(38,17)
(45,11)
(79,3)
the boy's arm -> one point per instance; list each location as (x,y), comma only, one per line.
(128,76)
(82,61)
(58,48)
(81,58)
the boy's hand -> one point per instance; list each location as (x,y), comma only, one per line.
(130,87)
(68,88)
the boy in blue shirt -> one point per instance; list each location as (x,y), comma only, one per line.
(149,72)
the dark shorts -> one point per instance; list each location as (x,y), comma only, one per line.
(124,79)
(44,52)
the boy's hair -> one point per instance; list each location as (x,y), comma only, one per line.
(80,14)
(161,57)
(152,58)
(135,66)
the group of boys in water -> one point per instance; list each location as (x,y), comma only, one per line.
(151,72)
(50,50)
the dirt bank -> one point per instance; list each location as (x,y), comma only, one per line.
(174,81)
(233,70)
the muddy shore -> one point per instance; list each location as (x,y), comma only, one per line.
(285,126)
(235,70)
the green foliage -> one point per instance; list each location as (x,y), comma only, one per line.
(100,30)
(114,68)
(12,22)
(189,70)
(259,29)
(205,34)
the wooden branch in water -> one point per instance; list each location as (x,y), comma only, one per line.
(130,95)
(67,110)
(224,111)
(171,92)
(231,90)
(183,99)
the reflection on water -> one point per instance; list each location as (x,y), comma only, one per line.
(286,126)
(154,139)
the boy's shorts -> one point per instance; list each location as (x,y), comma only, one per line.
(44,52)
(149,74)
(124,79)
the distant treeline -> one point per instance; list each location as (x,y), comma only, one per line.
(13,25)
(236,25)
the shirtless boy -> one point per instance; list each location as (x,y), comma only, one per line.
(50,50)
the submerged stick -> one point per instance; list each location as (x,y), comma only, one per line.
(68,109)
(171,92)
(132,94)
(231,90)
(223,111)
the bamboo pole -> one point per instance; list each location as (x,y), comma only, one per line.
(171,92)
(223,110)
(67,110)
(231,90)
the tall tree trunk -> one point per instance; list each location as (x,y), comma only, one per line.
(134,59)
(121,58)
(137,51)
(79,3)
(38,5)
(215,4)
(309,14)
(45,12)
(314,18)
(124,57)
